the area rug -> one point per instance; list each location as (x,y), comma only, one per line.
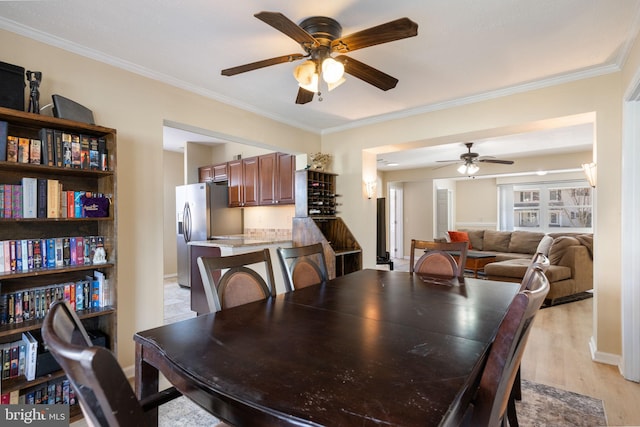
(541,406)
(545,406)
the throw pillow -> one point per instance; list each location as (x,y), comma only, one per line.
(475,238)
(524,242)
(496,241)
(459,236)
(559,247)
(545,245)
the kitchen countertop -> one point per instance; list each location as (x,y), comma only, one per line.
(235,241)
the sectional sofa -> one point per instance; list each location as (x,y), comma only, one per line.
(570,257)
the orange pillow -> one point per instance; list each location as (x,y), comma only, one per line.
(459,236)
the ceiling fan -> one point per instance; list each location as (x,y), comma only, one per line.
(320,37)
(470,161)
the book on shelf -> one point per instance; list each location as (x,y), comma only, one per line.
(66,150)
(16,201)
(58,148)
(23,150)
(76,153)
(94,154)
(48,151)
(41,209)
(35,151)
(4,129)
(84,151)
(53,198)
(12,148)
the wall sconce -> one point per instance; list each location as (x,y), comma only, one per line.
(371,189)
(590,171)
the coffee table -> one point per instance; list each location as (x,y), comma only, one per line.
(476,261)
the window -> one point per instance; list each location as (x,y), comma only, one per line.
(546,206)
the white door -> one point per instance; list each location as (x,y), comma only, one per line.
(395,222)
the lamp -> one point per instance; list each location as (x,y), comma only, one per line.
(371,189)
(590,170)
(332,70)
(469,168)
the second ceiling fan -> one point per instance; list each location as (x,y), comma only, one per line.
(469,161)
(320,37)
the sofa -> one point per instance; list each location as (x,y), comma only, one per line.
(570,257)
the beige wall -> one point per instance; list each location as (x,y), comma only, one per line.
(172,165)
(596,100)
(137,107)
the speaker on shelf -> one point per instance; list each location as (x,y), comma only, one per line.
(12,85)
(64,108)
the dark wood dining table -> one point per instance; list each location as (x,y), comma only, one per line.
(371,348)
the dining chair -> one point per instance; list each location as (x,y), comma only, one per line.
(240,283)
(493,404)
(438,258)
(303,266)
(104,392)
(538,259)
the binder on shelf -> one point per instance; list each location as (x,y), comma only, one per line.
(29,197)
(32,355)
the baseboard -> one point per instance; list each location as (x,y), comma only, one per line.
(170,276)
(130,372)
(601,357)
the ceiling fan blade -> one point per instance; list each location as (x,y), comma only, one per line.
(286,26)
(261,64)
(502,162)
(384,33)
(448,161)
(366,73)
(304,96)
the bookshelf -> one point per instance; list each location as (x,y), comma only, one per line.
(98,318)
(316,221)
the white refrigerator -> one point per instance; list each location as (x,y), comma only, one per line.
(201,212)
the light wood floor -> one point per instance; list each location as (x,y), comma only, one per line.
(558,355)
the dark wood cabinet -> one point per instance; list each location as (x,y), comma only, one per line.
(277,183)
(213,173)
(250,176)
(205,174)
(235,184)
(267,181)
(243,182)
(220,172)
(285,179)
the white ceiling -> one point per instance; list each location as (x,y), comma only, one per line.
(465,50)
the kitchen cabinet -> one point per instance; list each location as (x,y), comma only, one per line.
(205,174)
(277,185)
(213,173)
(243,182)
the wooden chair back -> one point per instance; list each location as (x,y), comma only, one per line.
(438,259)
(103,390)
(239,284)
(303,266)
(493,396)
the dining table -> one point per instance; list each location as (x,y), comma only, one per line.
(370,348)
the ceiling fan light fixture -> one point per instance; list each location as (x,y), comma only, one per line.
(468,169)
(332,70)
(305,73)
